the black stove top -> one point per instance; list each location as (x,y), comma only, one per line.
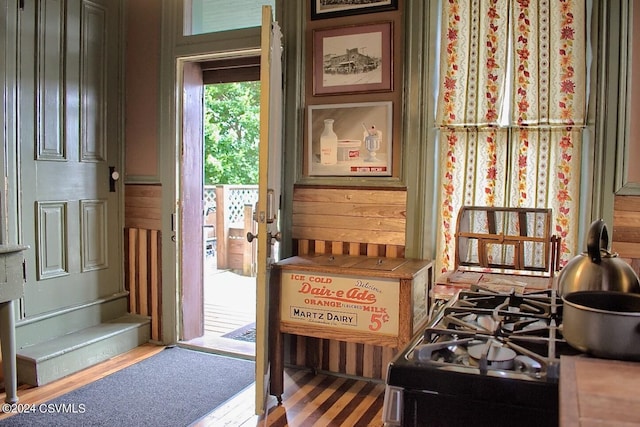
(485,354)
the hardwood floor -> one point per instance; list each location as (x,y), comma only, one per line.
(309,399)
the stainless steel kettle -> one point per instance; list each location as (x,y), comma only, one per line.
(597,269)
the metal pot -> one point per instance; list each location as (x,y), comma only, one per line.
(603,323)
(597,269)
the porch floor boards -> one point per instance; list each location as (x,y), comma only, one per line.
(229,300)
(220,319)
(229,304)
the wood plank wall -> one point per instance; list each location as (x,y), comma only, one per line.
(350,221)
(354,221)
(626,229)
(143,253)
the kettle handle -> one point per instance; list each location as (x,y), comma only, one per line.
(597,239)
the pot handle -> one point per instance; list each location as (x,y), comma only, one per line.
(598,238)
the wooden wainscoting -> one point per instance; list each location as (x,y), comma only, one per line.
(349,221)
(143,206)
(143,253)
(626,229)
(143,278)
(371,219)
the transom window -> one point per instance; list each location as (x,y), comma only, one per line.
(211,16)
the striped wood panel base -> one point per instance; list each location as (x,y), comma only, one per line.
(361,360)
(143,277)
(304,247)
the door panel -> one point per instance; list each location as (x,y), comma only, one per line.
(93,235)
(52,238)
(68,138)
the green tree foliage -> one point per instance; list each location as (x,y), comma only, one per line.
(231,133)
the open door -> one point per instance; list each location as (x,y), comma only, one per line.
(192,218)
(267,211)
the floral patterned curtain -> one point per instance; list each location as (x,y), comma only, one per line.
(511,110)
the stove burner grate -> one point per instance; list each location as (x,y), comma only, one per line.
(488,332)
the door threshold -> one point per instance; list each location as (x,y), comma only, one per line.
(220,345)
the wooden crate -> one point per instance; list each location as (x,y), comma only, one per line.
(356,300)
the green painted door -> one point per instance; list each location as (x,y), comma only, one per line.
(269,182)
(68,140)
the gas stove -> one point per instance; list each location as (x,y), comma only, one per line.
(485,358)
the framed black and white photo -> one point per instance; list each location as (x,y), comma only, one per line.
(353,59)
(321,9)
(353,139)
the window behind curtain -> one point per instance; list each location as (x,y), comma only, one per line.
(210,16)
(511,111)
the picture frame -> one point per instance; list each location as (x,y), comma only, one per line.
(322,9)
(364,134)
(353,59)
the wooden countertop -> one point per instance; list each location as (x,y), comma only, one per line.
(599,392)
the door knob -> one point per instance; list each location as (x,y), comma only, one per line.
(251,236)
(114,175)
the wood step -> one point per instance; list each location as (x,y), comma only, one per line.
(42,363)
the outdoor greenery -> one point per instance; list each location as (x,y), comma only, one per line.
(231,133)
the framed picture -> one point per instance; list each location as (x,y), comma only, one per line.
(353,59)
(350,139)
(321,9)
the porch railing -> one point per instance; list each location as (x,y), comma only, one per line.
(228,218)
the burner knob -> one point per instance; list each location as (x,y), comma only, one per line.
(526,364)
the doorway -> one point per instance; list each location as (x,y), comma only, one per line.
(230,123)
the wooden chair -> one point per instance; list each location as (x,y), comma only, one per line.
(501,248)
